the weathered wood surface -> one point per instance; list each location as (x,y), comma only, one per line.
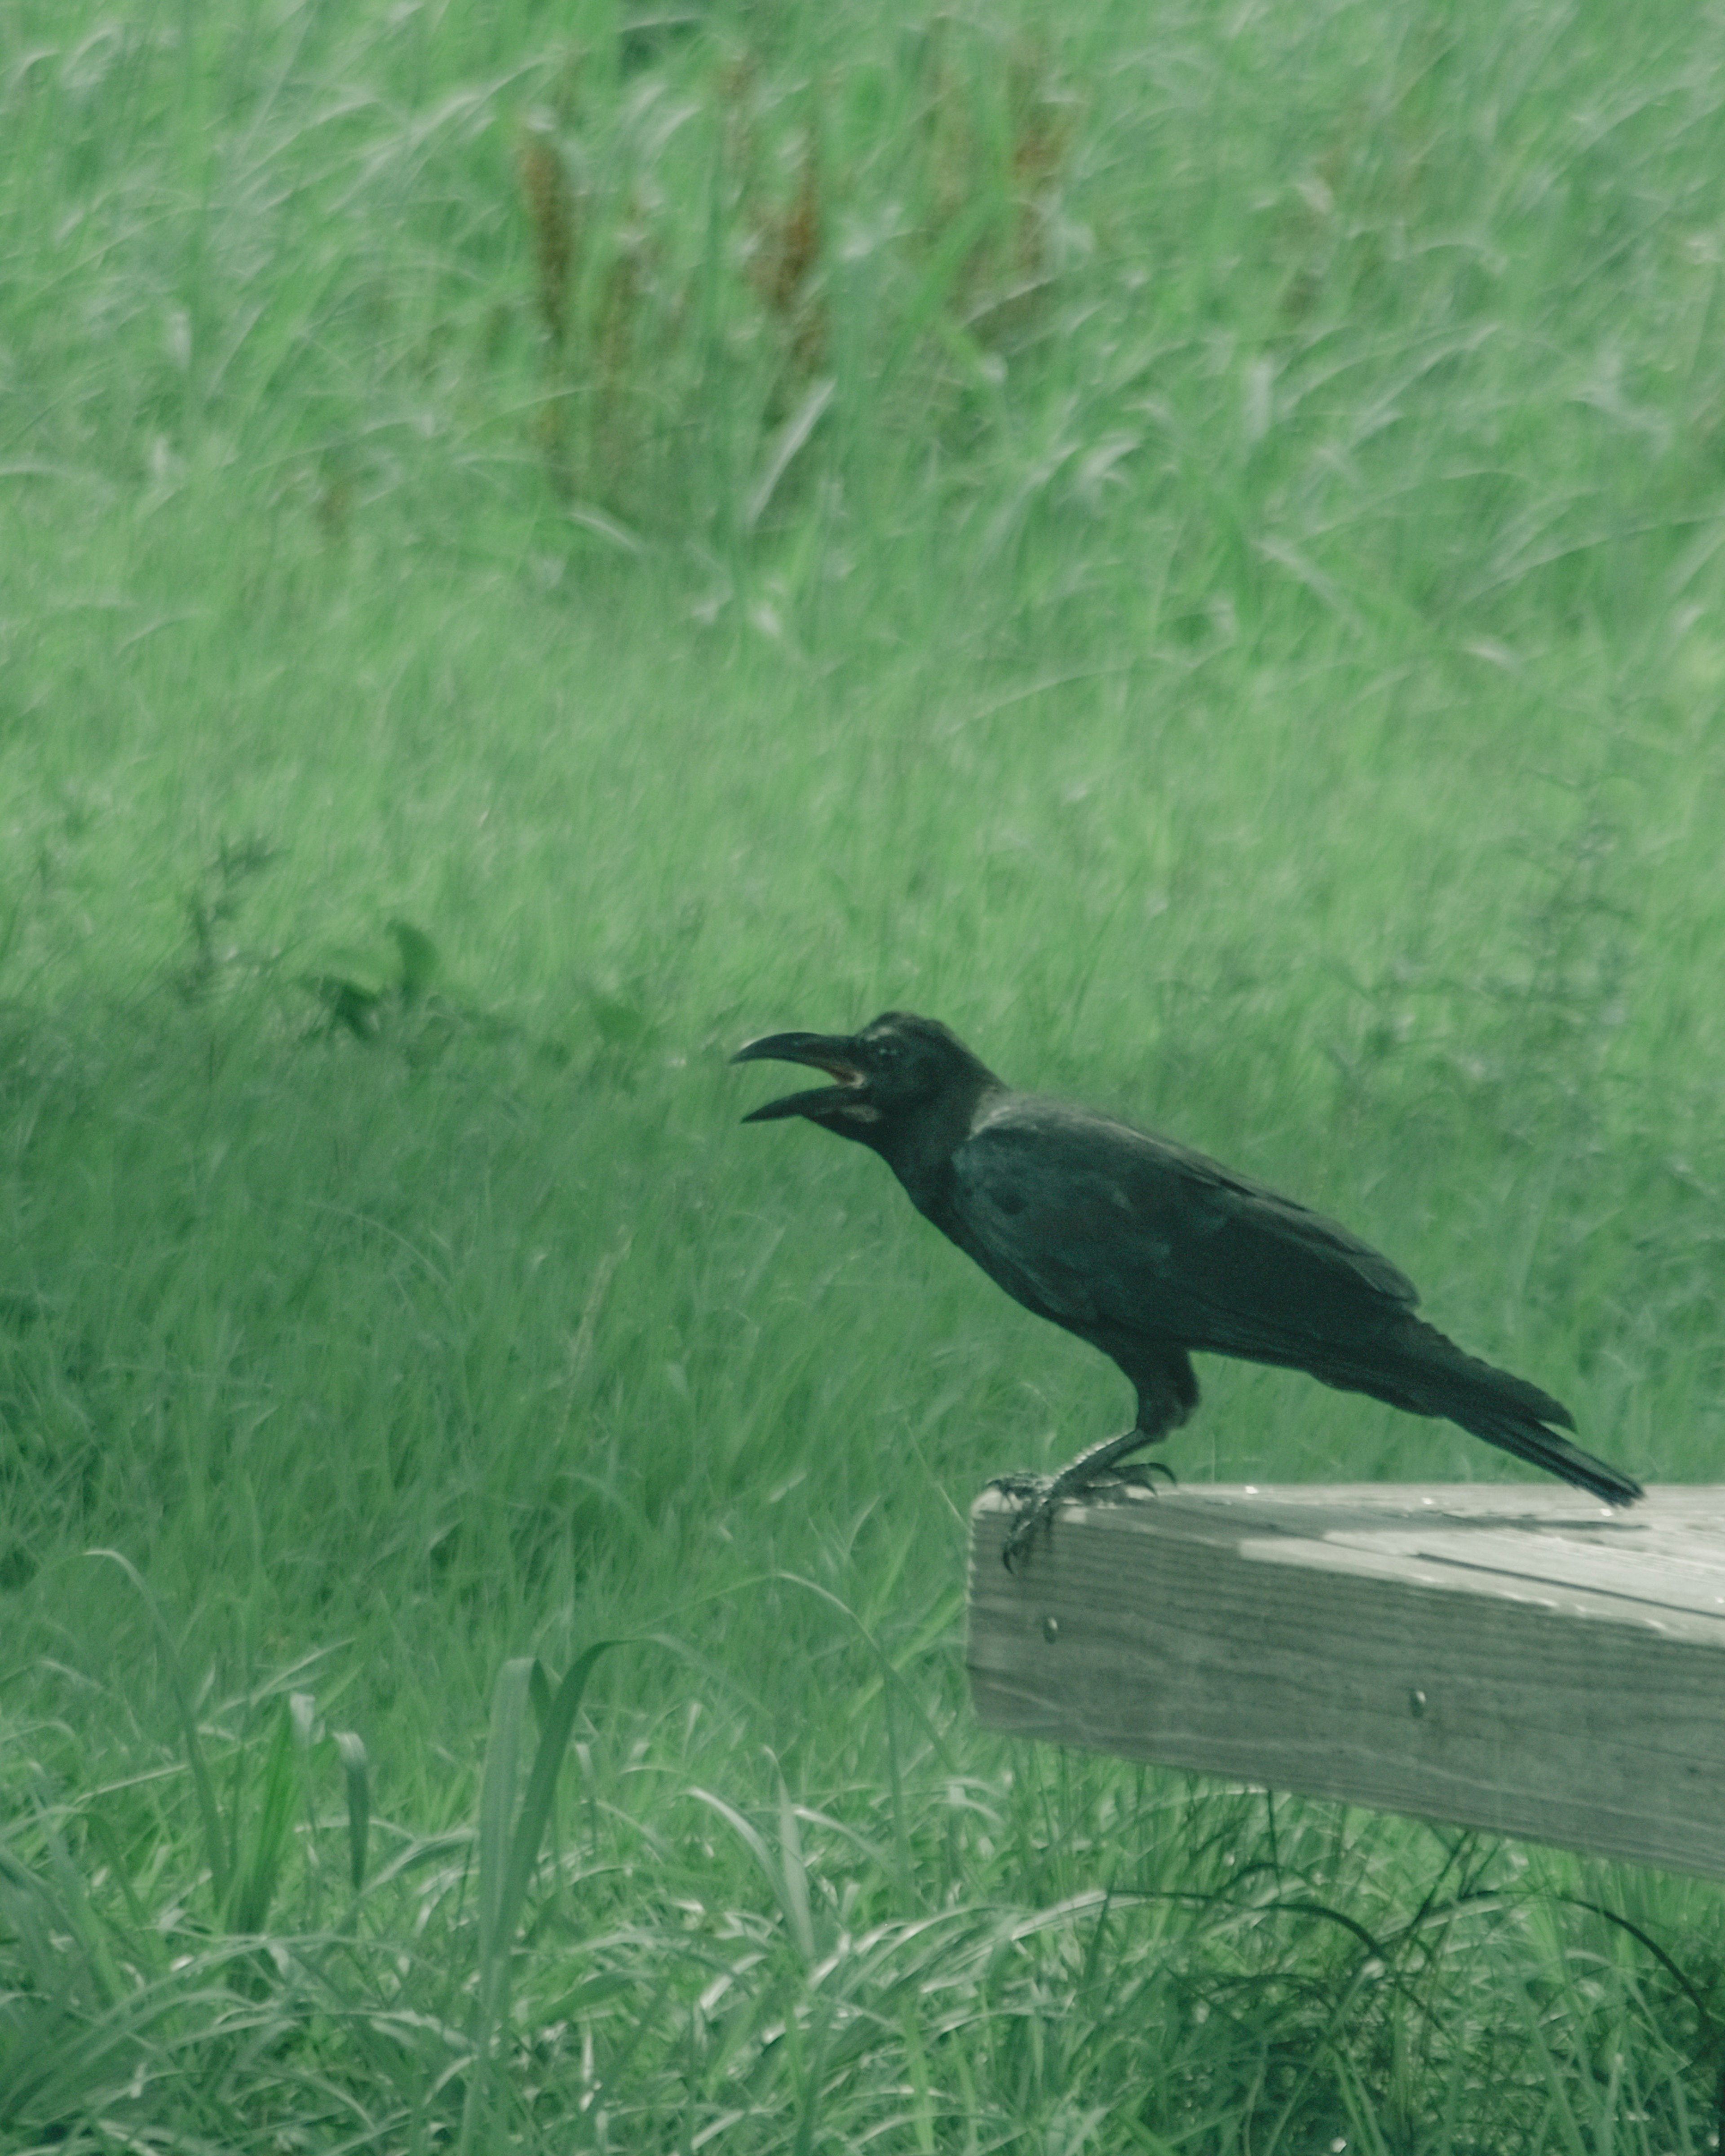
(1520,1658)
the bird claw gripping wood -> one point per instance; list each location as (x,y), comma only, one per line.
(1040,1497)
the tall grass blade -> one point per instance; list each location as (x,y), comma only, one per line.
(217,1850)
(784,1874)
(790,438)
(277,1803)
(356,1769)
(506,1856)
(541,1785)
(796,1874)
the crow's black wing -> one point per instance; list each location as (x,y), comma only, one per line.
(1095,1225)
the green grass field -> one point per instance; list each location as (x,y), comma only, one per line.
(539,543)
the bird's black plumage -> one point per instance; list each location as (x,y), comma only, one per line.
(1150,1252)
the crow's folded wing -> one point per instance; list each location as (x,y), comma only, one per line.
(1095,1225)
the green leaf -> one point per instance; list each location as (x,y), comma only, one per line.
(279,1800)
(356,1768)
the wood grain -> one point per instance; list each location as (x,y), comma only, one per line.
(1517,1658)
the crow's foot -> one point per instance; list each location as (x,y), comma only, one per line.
(1040,1497)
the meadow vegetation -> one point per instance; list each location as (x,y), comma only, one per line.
(539,541)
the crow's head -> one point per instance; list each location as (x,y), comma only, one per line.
(897,1068)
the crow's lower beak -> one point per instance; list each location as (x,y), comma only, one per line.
(834,1053)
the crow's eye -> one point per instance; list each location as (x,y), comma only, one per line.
(888,1052)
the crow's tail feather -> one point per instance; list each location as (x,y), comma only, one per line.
(1430,1375)
(1532,1440)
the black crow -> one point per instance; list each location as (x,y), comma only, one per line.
(1148,1251)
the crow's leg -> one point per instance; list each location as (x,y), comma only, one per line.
(1167,1396)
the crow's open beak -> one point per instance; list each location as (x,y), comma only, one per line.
(834,1053)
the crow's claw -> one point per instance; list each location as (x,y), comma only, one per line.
(1040,1497)
(1138,1474)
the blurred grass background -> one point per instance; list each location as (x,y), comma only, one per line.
(539,542)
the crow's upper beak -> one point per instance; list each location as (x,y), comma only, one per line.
(834,1053)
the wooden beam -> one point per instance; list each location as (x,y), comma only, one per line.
(1511,1656)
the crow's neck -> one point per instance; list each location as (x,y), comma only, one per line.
(919,1148)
